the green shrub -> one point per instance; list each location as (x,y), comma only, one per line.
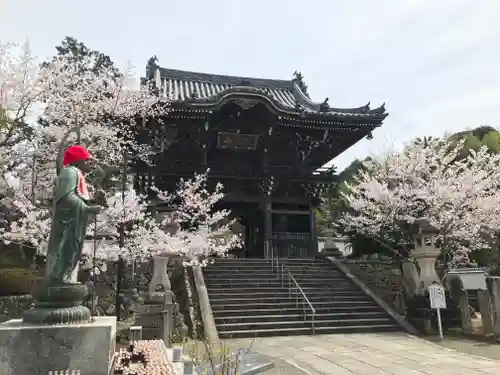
(16,281)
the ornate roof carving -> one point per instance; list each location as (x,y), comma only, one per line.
(203,89)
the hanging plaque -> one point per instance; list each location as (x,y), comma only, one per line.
(236,141)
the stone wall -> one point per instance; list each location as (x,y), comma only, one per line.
(383,277)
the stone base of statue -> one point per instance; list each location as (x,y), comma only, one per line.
(59,304)
(28,349)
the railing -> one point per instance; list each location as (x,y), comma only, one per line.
(281,274)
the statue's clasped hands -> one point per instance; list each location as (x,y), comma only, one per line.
(100,200)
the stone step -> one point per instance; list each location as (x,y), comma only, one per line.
(225,304)
(258,269)
(251,298)
(275,283)
(278,287)
(298,316)
(268,276)
(278,310)
(268,263)
(281,293)
(251,271)
(291,331)
(247,262)
(300,323)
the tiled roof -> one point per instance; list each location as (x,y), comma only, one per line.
(287,96)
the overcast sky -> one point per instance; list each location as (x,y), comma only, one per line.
(435,63)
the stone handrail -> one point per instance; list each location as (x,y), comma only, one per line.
(383,277)
(379,301)
(205,307)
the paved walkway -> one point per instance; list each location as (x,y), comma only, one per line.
(368,354)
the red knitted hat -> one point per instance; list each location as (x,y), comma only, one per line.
(74,154)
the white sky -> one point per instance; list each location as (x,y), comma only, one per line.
(435,63)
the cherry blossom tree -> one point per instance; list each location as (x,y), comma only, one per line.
(197,229)
(459,195)
(194,229)
(102,107)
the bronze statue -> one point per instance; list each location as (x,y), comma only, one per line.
(59,299)
(71,211)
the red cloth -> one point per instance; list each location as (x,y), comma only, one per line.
(74,154)
(82,189)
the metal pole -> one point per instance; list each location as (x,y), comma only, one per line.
(121,261)
(282,281)
(33,178)
(119,277)
(440,325)
(94,251)
(78,134)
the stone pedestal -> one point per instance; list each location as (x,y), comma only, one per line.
(28,349)
(156,319)
(59,304)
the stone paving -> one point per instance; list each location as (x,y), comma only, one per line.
(368,354)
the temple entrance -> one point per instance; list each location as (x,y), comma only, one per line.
(275,232)
(253,234)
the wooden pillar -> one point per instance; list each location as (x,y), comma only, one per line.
(268,228)
(313,249)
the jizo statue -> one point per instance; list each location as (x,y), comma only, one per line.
(70,217)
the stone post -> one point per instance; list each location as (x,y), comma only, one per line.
(168,319)
(135,333)
(160,283)
(465,317)
(495,296)
(483,299)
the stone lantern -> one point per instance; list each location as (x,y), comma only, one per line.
(160,282)
(426,252)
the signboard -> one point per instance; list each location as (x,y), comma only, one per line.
(437,297)
(237,141)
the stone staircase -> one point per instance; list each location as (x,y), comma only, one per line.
(248,299)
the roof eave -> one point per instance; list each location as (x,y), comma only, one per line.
(323,108)
(249,92)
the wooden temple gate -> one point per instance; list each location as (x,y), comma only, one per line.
(263,139)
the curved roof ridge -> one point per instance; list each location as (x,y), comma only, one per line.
(287,96)
(307,103)
(303,99)
(225,79)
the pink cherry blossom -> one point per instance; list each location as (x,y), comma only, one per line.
(461,194)
(106,111)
